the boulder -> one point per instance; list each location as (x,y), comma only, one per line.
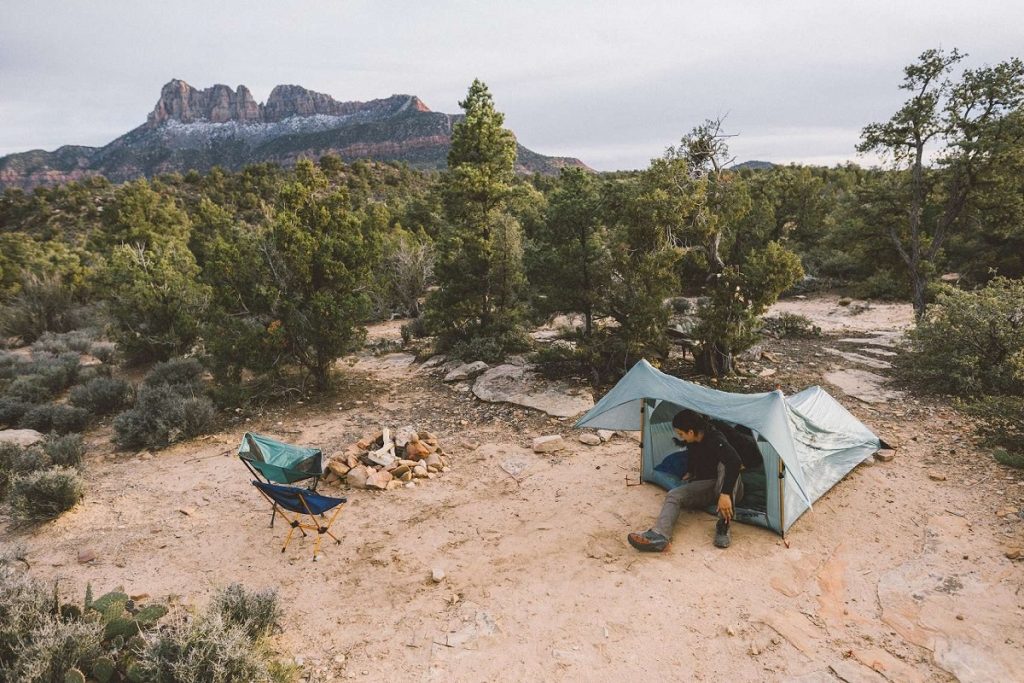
(20,437)
(357,476)
(590,439)
(466,371)
(519,385)
(338,468)
(548,444)
(379,480)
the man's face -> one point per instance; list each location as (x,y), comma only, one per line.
(687,436)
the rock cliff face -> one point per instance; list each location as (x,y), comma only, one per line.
(197,129)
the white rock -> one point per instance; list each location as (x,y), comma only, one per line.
(605,434)
(20,437)
(437,575)
(548,444)
(590,439)
(466,371)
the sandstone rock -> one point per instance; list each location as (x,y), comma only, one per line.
(400,470)
(338,468)
(937,476)
(86,555)
(393,484)
(433,362)
(20,437)
(433,461)
(420,471)
(429,437)
(416,450)
(590,439)
(466,371)
(87,361)
(352,460)
(517,384)
(407,476)
(605,434)
(469,444)
(1014,553)
(548,444)
(885,456)
(378,480)
(357,476)
(437,575)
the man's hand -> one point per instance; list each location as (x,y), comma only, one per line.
(725,506)
(686,477)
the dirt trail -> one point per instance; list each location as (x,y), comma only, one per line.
(893,576)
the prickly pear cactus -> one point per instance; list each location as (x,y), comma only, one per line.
(103,669)
(74,676)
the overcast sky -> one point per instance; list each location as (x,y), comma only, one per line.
(612,83)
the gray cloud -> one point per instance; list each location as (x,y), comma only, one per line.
(612,83)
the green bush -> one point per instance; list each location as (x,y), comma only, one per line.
(45,494)
(490,349)
(414,329)
(162,415)
(55,647)
(970,343)
(79,341)
(1004,457)
(43,304)
(185,374)
(257,612)
(202,649)
(65,451)
(56,417)
(29,389)
(999,422)
(104,351)
(17,460)
(11,410)
(882,284)
(101,395)
(56,372)
(791,326)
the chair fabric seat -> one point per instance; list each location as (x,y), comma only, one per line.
(290,498)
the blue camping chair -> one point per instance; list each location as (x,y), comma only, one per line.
(302,502)
(276,462)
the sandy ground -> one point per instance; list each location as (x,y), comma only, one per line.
(894,575)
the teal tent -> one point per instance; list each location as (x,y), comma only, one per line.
(808,441)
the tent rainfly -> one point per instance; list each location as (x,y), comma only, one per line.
(808,441)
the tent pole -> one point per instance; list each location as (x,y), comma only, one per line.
(782,501)
(643,425)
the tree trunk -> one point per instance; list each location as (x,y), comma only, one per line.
(713,361)
(919,288)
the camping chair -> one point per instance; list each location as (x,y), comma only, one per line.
(276,462)
(302,502)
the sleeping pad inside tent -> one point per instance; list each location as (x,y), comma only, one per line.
(806,442)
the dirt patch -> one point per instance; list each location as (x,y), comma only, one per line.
(537,580)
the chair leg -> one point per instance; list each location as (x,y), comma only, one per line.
(273,514)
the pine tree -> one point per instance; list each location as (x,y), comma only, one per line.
(479,268)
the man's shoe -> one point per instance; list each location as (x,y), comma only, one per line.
(649,541)
(722,534)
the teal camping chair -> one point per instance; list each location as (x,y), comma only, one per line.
(280,463)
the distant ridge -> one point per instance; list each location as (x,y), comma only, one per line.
(753,165)
(198,129)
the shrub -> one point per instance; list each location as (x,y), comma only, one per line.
(11,410)
(101,395)
(414,329)
(161,416)
(791,326)
(185,374)
(257,612)
(25,606)
(202,649)
(43,304)
(79,341)
(56,372)
(56,417)
(54,648)
(490,349)
(45,494)
(999,422)
(970,343)
(104,351)
(65,451)
(29,389)
(16,460)
(1004,457)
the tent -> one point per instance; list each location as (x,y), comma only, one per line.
(808,441)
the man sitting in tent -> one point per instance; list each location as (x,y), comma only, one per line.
(712,477)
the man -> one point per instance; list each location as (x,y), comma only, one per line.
(712,477)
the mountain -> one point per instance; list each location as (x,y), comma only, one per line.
(753,165)
(198,129)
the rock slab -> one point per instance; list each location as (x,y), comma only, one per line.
(20,437)
(548,444)
(519,385)
(466,371)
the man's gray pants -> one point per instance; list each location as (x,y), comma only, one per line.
(694,495)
